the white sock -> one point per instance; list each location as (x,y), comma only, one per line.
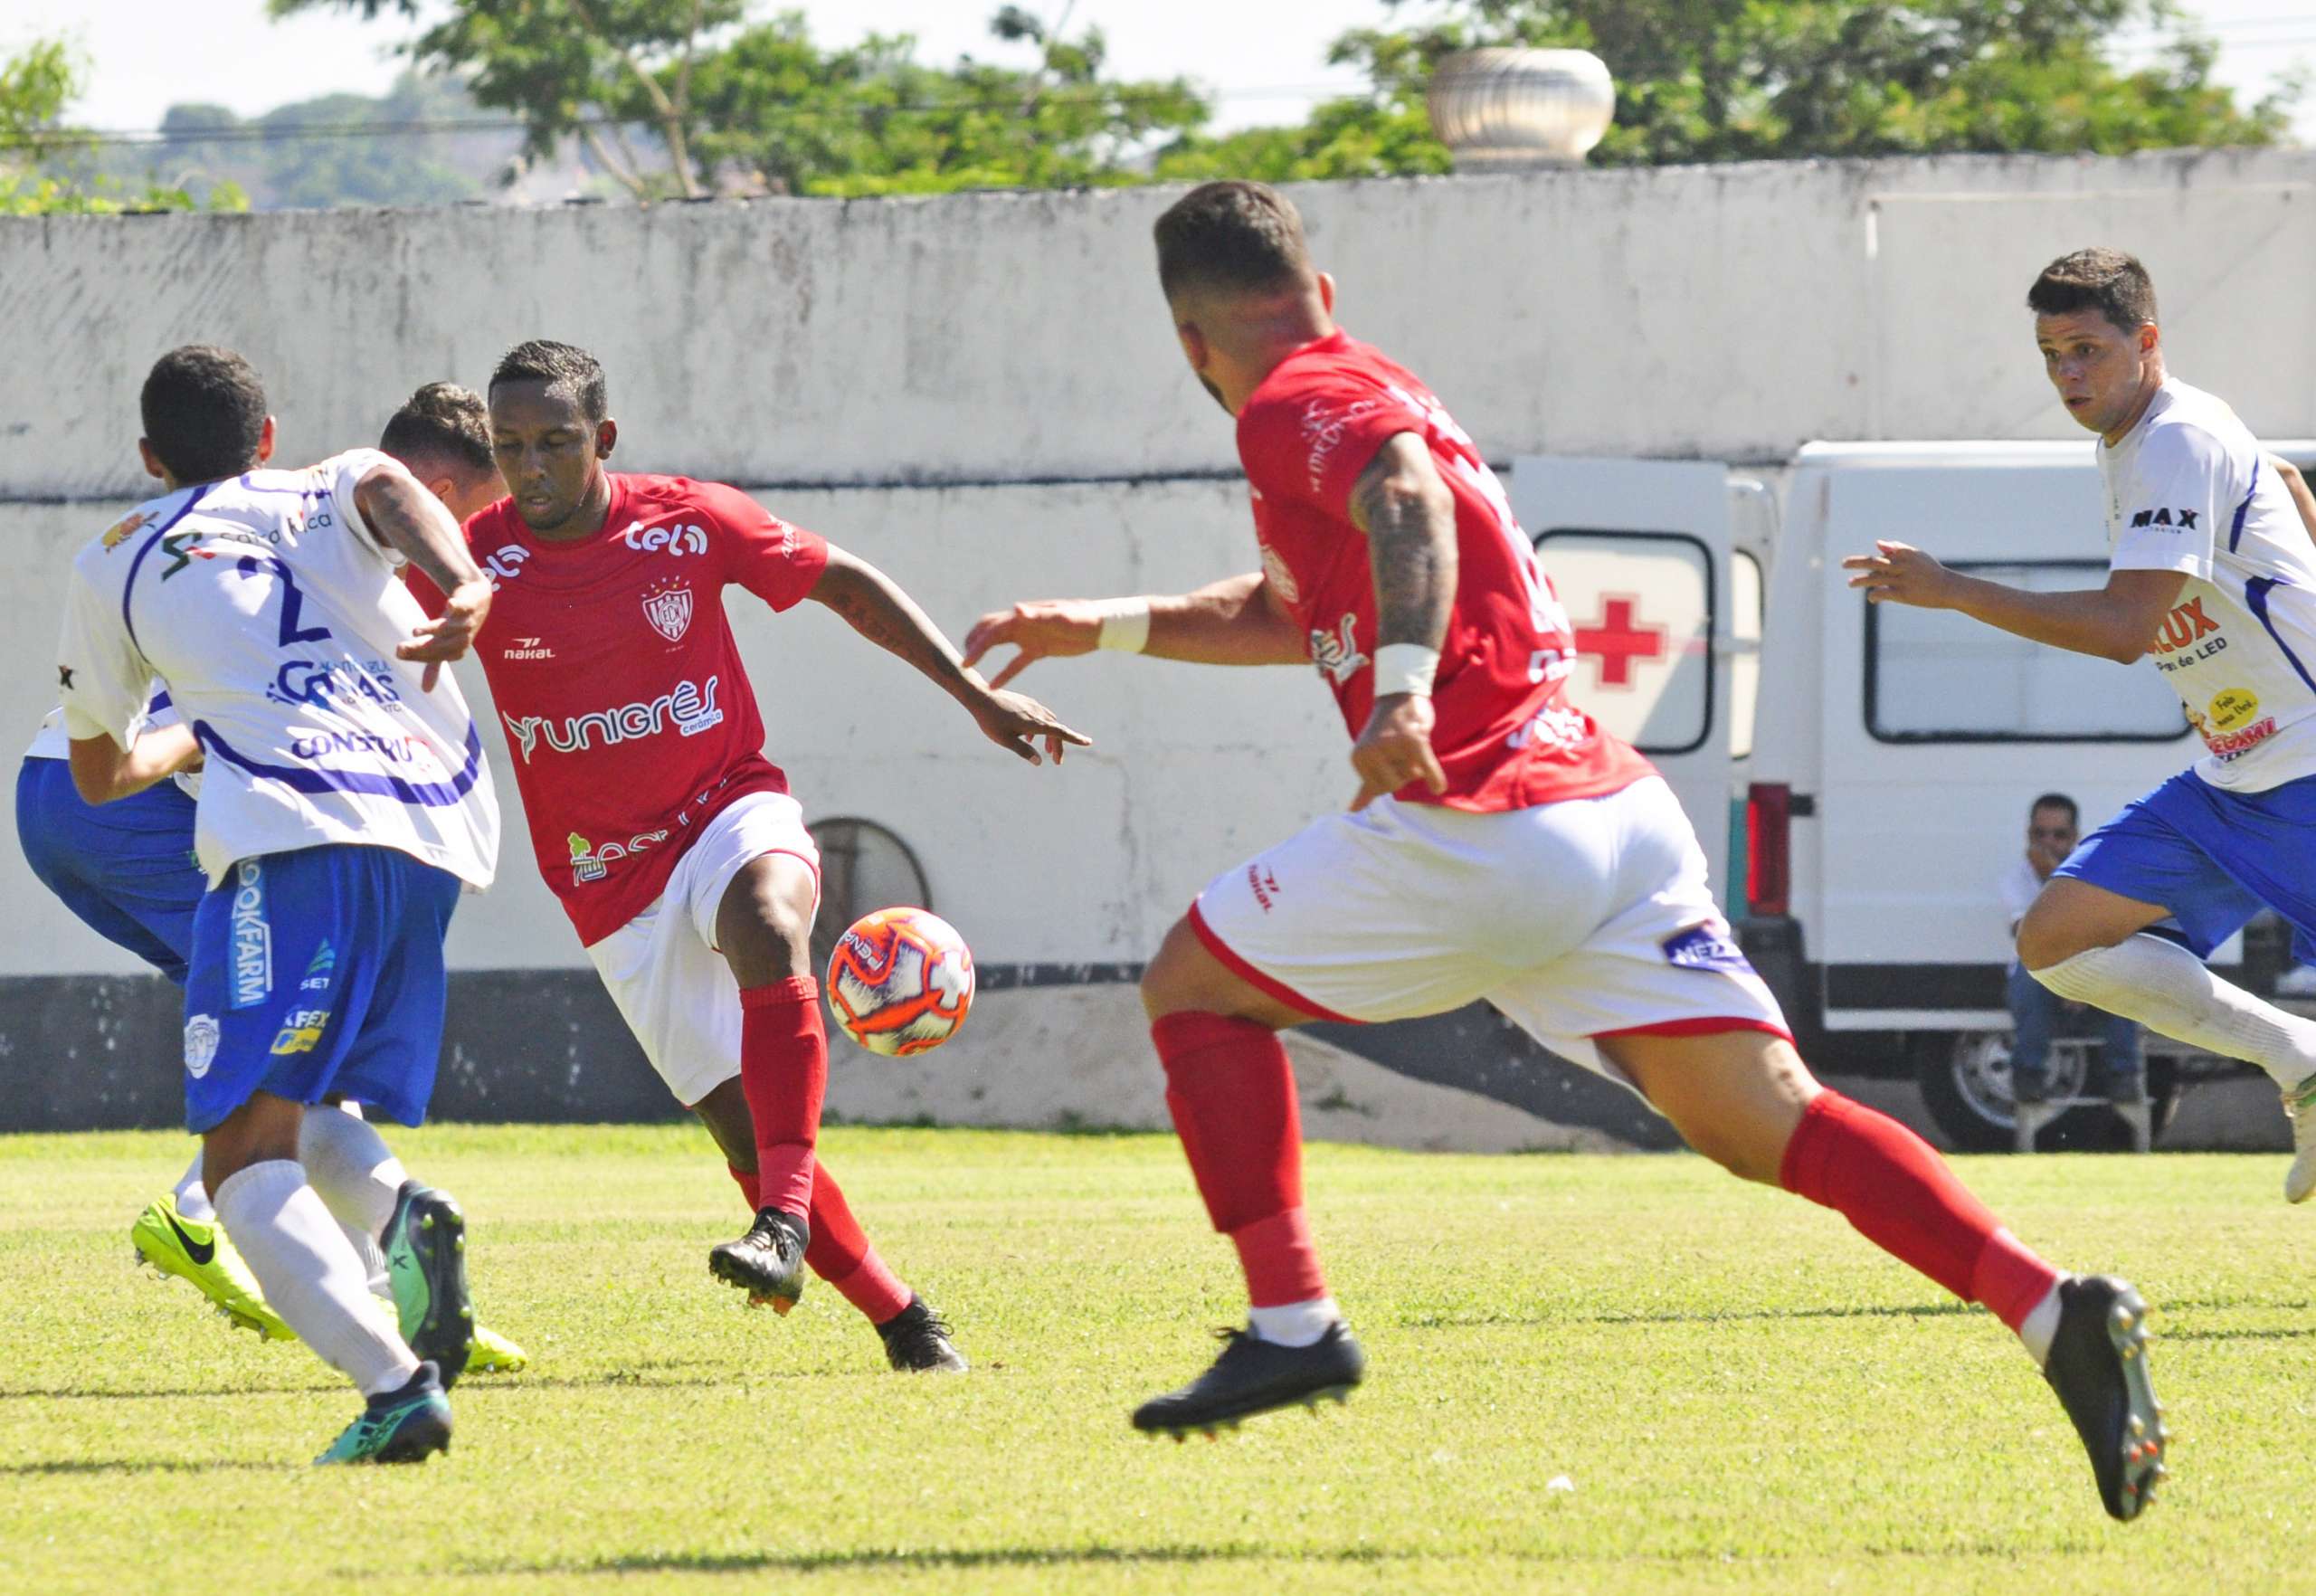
(1295,1323)
(311,1274)
(2164,986)
(193,1197)
(2040,1325)
(351,1166)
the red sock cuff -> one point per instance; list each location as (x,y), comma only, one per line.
(1280,1261)
(1192,1030)
(1810,1151)
(796,989)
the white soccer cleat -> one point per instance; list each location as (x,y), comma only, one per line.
(2300,1107)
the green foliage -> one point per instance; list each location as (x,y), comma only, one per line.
(45,166)
(1714,81)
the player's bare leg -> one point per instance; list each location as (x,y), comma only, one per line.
(1231,1093)
(2081,941)
(763,930)
(1745,1099)
(916,1337)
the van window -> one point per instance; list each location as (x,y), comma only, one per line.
(1745,660)
(1640,605)
(1934,675)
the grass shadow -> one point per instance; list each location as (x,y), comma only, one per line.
(146,1466)
(1683,1316)
(895,1558)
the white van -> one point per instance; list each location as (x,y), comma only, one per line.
(1861,774)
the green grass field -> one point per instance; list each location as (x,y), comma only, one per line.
(1744,1395)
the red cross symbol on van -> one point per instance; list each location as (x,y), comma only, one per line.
(1616,640)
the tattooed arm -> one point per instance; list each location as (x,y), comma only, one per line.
(1410,517)
(873,605)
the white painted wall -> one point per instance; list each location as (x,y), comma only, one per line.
(876,349)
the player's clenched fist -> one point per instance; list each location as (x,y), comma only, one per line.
(1396,749)
(1900,572)
(1038,627)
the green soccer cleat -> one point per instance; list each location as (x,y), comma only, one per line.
(197,1251)
(405,1425)
(425,1246)
(492,1354)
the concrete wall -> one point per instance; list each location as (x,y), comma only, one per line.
(982,393)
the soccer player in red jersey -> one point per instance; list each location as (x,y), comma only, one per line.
(670,839)
(1501,846)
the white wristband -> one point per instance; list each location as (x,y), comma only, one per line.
(1125,624)
(1405,667)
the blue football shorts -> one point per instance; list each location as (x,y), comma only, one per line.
(317,973)
(126,868)
(2212,857)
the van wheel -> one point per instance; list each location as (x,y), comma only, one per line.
(1965,1080)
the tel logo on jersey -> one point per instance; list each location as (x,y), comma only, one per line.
(676,540)
(669,609)
(502,567)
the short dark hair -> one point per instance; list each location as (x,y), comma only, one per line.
(441,421)
(558,366)
(2055,801)
(2106,281)
(203,411)
(1232,235)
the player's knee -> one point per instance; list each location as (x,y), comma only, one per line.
(1177,979)
(2046,938)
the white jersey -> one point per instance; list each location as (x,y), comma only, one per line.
(2188,491)
(272,613)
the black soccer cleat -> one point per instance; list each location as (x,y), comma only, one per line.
(917,1340)
(425,1247)
(1254,1376)
(2098,1365)
(768,1262)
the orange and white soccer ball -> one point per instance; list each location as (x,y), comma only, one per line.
(900,980)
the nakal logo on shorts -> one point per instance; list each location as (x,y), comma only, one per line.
(252,938)
(200,1044)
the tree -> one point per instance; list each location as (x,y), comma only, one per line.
(46,166)
(667,96)
(1719,79)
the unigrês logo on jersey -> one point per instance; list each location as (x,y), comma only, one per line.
(681,539)
(667,607)
(692,709)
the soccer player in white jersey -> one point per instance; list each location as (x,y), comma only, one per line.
(345,802)
(2212,576)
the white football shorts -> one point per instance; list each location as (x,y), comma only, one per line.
(1579,919)
(662,968)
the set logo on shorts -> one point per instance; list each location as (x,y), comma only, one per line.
(1707,948)
(250,973)
(200,1044)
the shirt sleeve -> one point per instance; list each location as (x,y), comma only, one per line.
(105,679)
(1308,435)
(2180,496)
(780,564)
(341,475)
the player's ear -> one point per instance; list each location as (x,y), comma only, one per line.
(265,442)
(1193,344)
(606,436)
(153,466)
(2150,337)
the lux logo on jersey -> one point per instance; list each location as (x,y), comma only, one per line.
(693,708)
(2187,623)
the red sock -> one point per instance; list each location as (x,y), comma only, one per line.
(783,1071)
(1901,1197)
(1232,1092)
(840,1254)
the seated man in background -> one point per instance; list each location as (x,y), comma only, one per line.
(2052,832)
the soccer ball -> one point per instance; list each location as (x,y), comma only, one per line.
(900,980)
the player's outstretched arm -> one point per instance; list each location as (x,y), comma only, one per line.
(1237,621)
(1410,517)
(405,517)
(873,605)
(2117,621)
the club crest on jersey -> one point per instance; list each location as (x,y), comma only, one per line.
(1281,579)
(200,1038)
(1337,652)
(121,532)
(669,609)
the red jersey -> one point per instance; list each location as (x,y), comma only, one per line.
(619,686)
(1504,730)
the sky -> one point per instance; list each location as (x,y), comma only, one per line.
(1266,59)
